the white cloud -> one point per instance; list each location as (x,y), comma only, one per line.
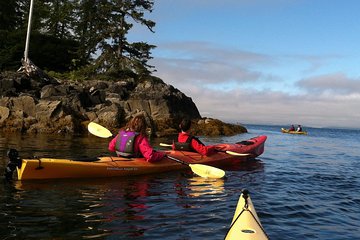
(331,83)
(209,64)
(279,108)
(202,70)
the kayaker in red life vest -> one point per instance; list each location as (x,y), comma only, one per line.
(292,128)
(195,143)
(131,141)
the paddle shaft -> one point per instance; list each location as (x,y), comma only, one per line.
(177,160)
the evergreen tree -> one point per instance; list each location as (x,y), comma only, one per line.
(9,15)
(10,34)
(60,18)
(69,34)
(113,20)
(85,31)
(52,45)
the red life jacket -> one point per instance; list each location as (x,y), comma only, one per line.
(186,146)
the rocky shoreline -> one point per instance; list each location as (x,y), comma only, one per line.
(47,105)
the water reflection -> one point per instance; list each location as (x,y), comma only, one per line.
(199,186)
(96,207)
(250,166)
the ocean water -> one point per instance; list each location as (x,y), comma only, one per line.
(303,187)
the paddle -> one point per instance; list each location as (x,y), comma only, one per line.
(199,169)
(98,130)
(228,152)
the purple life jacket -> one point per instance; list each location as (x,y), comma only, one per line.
(125,144)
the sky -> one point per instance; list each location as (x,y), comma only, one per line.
(276,62)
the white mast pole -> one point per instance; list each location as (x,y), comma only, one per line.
(28,32)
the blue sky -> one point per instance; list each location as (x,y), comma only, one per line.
(261,61)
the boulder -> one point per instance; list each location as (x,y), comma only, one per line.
(48,105)
(4,114)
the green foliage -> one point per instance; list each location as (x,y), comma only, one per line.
(87,39)
(8,15)
(51,53)
(11,49)
(112,21)
(62,14)
(12,40)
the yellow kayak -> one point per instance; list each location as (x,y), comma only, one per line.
(245,224)
(111,166)
(283,130)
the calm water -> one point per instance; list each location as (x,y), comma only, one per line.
(303,187)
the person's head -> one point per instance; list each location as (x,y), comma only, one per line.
(185,125)
(137,124)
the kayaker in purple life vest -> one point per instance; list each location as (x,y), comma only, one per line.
(193,143)
(131,141)
(292,128)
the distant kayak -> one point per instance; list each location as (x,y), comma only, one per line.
(246,224)
(283,130)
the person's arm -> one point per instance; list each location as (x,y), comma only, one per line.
(112,144)
(202,149)
(147,151)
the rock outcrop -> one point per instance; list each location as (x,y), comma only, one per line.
(52,106)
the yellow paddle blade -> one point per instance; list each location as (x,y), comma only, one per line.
(99,130)
(207,171)
(238,154)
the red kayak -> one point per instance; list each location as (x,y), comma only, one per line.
(253,146)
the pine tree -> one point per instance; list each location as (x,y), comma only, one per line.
(9,17)
(60,17)
(10,33)
(109,25)
(85,30)
(70,34)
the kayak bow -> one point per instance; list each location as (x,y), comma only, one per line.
(246,224)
